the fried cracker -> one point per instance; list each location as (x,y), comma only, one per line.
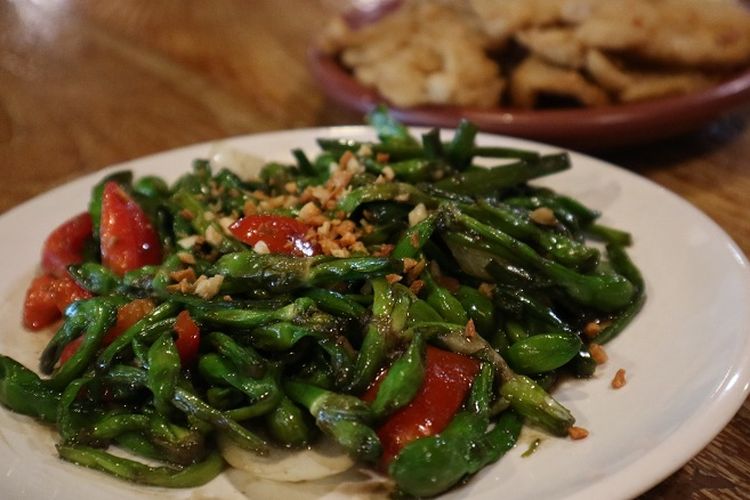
(639,85)
(555,45)
(535,77)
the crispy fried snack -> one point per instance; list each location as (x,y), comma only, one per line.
(425,53)
(591,51)
(632,85)
(534,78)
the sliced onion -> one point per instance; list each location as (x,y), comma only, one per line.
(352,484)
(472,261)
(325,459)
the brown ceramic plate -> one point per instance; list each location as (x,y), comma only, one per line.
(582,128)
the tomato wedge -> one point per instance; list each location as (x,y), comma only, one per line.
(448,378)
(127,316)
(188,338)
(65,245)
(128,240)
(280,234)
(46,300)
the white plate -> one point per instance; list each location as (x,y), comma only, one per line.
(687,354)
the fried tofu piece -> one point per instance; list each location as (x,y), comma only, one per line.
(534,78)
(555,45)
(639,85)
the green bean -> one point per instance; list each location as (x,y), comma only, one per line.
(403,379)
(414,238)
(542,353)
(443,302)
(387,191)
(389,130)
(243,357)
(622,264)
(336,303)
(342,417)
(604,292)
(245,319)
(282,273)
(23,391)
(192,405)
(479,308)
(93,318)
(461,149)
(163,372)
(166,477)
(94,277)
(487,181)
(264,390)
(162,317)
(287,424)
(610,235)
(533,402)
(373,351)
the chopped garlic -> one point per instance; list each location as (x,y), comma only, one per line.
(364,150)
(544,216)
(261,248)
(225,222)
(213,236)
(417,215)
(207,288)
(188,242)
(186,258)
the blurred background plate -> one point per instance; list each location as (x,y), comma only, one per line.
(598,128)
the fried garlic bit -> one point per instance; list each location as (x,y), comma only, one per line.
(424,53)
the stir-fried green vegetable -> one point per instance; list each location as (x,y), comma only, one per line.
(356,294)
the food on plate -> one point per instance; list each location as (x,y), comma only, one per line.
(539,53)
(389,305)
(535,78)
(422,53)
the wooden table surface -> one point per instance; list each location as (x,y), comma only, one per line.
(85,84)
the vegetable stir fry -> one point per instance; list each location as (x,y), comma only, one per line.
(412,307)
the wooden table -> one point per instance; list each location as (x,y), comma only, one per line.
(85,84)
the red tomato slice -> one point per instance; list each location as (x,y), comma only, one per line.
(47,298)
(128,240)
(70,349)
(188,338)
(127,316)
(448,377)
(280,234)
(65,245)
(39,308)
